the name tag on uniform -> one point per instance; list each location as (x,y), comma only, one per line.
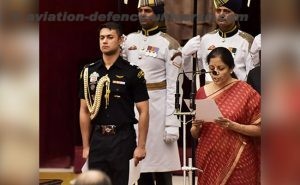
(118,82)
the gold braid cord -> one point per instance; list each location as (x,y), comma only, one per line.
(94,107)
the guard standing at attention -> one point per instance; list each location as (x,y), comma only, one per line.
(109,89)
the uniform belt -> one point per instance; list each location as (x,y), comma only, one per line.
(157,86)
(109,129)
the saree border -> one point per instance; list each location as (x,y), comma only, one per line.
(236,160)
(218,92)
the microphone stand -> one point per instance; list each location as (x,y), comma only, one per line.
(184,167)
(193,89)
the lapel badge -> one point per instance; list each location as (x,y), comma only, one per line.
(93,77)
(132,47)
(211,47)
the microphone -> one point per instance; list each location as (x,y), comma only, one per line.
(202,78)
(177,94)
(215,72)
(202,73)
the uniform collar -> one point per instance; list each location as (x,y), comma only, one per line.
(229,33)
(119,63)
(151,31)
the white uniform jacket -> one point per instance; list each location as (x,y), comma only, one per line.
(158,56)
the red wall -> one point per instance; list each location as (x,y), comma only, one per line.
(64,48)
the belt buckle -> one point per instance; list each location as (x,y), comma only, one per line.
(108,129)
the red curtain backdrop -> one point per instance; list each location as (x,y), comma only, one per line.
(65,47)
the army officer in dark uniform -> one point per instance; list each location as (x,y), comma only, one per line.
(109,89)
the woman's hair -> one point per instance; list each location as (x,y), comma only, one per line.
(225,56)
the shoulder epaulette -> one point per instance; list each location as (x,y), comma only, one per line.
(81,73)
(85,66)
(93,63)
(247,37)
(173,43)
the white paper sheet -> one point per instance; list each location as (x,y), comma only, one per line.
(134,172)
(207,110)
(187,103)
(85,166)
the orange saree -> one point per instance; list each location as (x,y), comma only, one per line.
(225,156)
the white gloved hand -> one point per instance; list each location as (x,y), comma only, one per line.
(124,38)
(171,134)
(254,51)
(122,46)
(192,46)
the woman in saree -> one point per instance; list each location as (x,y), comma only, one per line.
(227,149)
